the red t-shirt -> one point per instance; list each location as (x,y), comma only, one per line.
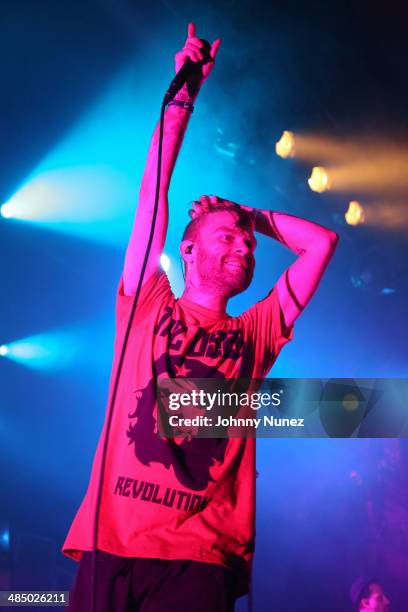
(163,499)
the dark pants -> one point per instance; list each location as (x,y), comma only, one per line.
(151,585)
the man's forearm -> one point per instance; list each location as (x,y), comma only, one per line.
(313,243)
(175,124)
(298,234)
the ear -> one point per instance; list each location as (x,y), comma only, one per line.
(187,251)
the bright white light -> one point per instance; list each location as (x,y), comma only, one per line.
(25,351)
(6,211)
(165,262)
(51,350)
(319,180)
(355,213)
(3,350)
(285,147)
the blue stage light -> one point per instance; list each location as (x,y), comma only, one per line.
(4,539)
(47,351)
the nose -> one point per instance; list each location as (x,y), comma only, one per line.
(244,251)
(242,247)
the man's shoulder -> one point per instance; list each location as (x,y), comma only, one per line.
(155,293)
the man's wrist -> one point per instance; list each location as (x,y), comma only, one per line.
(182,104)
(184,100)
(185,94)
(263,220)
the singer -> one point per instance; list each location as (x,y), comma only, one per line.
(176,523)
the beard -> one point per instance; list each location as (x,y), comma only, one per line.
(223,275)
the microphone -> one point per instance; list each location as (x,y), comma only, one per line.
(186,71)
(189,72)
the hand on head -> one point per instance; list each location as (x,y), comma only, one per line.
(208,203)
(212,203)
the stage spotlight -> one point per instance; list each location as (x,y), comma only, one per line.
(47,351)
(355,213)
(165,262)
(4,538)
(6,211)
(285,147)
(319,179)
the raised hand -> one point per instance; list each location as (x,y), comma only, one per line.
(198,51)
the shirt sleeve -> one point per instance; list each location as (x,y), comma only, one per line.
(266,325)
(154,292)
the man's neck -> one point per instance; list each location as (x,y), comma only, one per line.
(213,301)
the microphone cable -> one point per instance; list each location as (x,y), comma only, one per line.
(120,363)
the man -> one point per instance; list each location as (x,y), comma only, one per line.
(176,526)
(368,595)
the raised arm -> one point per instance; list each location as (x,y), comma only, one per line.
(313,243)
(175,124)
